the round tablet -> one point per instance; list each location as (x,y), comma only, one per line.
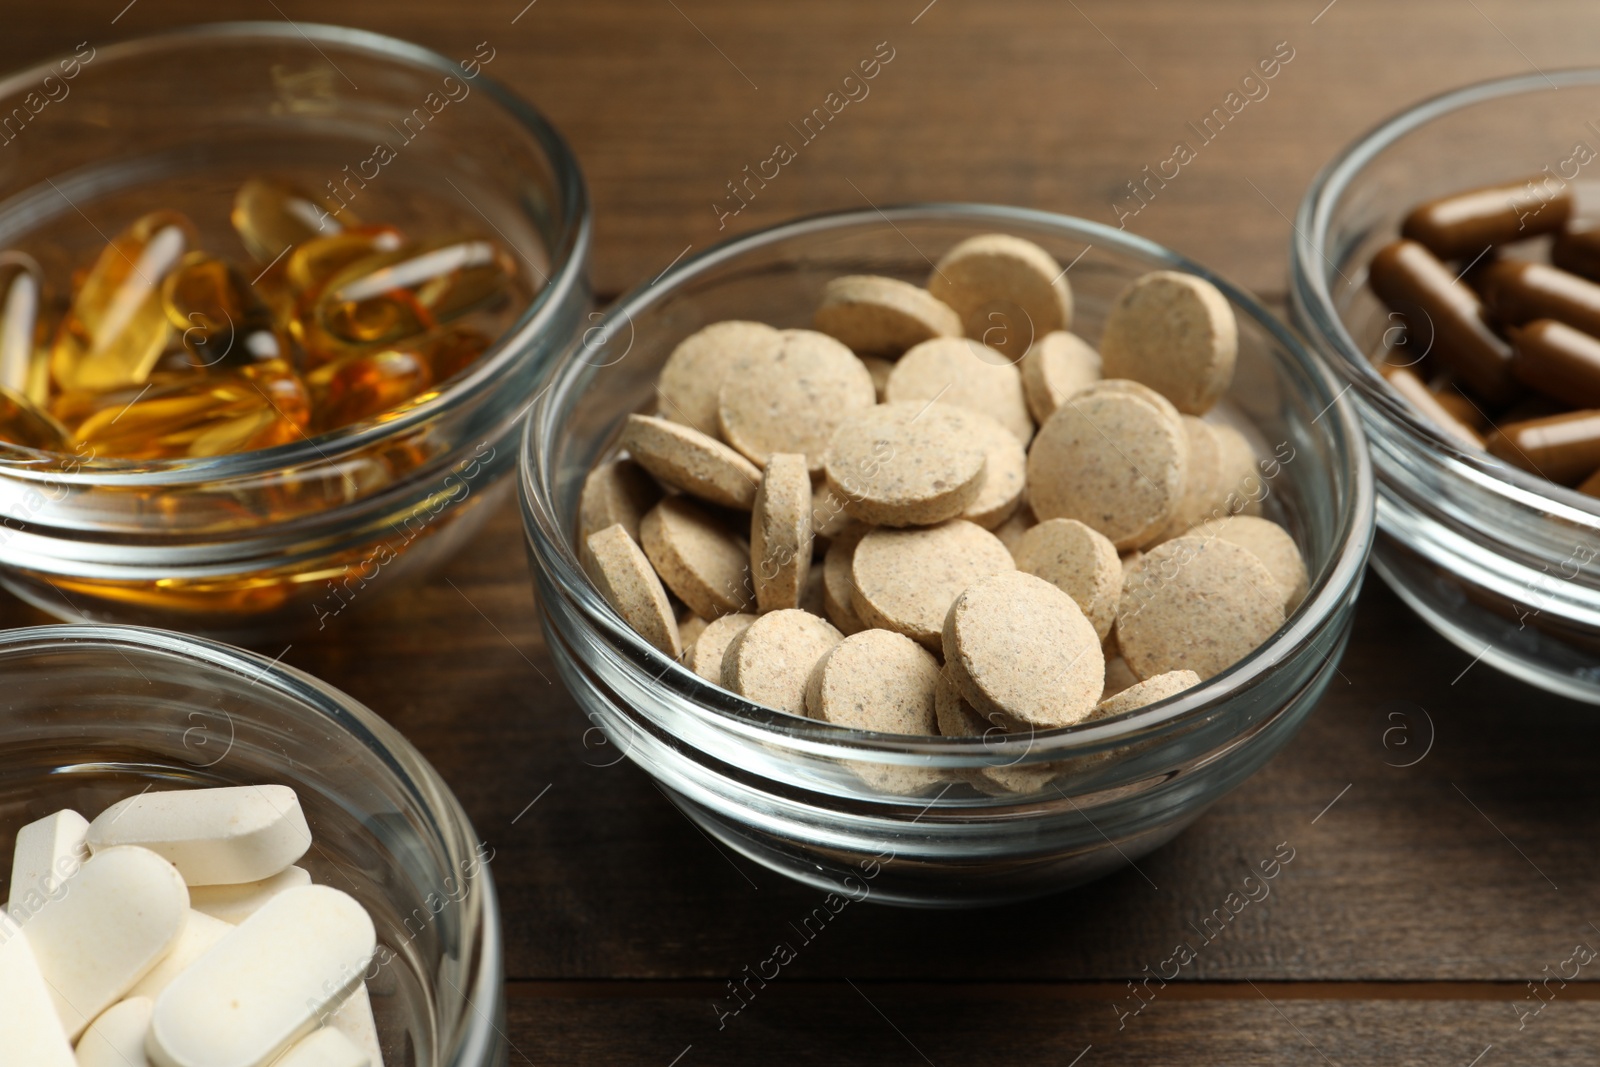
(780,532)
(1175,333)
(1058,365)
(905,580)
(1272,545)
(689,460)
(705,658)
(958,718)
(615,492)
(625,578)
(875,680)
(911,463)
(1119,678)
(794,401)
(829,519)
(1241,478)
(1008,291)
(1203,495)
(771,661)
(686,391)
(1147,692)
(1138,389)
(1005,470)
(1196,603)
(690,627)
(1020,522)
(964,373)
(837,589)
(880,370)
(1079,561)
(1021,648)
(1112,460)
(882,316)
(698,558)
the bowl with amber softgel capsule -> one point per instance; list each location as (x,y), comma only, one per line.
(1497,550)
(263,349)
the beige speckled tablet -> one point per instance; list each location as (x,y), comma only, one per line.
(958,371)
(780,532)
(794,401)
(880,369)
(1243,488)
(1005,471)
(1196,603)
(829,519)
(624,577)
(1020,522)
(686,391)
(838,591)
(1113,461)
(882,316)
(911,463)
(705,658)
(690,627)
(1175,333)
(1203,494)
(1019,647)
(1272,545)
(957,718)
(1119,678)
(905,580)
(1058,365)
(1008,291)
(1079,561)
(707,566)
(875,680)
(615,492)
(689,460)
(813,597)
(1147,692)
(772,659)
(1139,389)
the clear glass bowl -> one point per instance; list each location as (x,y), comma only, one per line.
(780,788)
(248,543)
(1497,560)
(98,713)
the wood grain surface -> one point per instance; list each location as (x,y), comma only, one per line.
(1443,817)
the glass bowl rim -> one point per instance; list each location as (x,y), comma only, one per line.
(713,705)
(1312,296)
(568,255)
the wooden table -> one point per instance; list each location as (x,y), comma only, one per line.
(1421,899)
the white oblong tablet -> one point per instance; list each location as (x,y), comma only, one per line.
(355,1020)
(121,914)
(48,851)
(200,932)
(325,1048)
(213,836)
(30,1033)
(116,1039)
(265,985)
(236,903)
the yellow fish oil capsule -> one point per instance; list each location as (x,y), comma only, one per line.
(311,264)
(22,324)
(271,217)
(224,323)
(453,351)
(258,407)
(388,298)
(116,328)
(23,423)
(363,384)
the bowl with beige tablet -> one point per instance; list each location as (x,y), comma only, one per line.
(1447,264)
(945,555)
(214,858)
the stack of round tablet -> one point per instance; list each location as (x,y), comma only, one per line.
(940,512)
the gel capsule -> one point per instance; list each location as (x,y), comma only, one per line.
(116,328)
(259,407)
(30,1033)
(310,265)
(1445,317)
(48,851)
(21,321)
(125,911)
(364,384)
(1417,394)
(272,216)
(23,423)
(117,1037)
(224,323)
(1558,361)
(1462,225)
(1577,249)
(1517,291)
(265,985)
(390,298)
(1590,486)
(213,836)
(1563,448)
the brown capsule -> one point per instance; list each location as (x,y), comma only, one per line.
(1458,404)
(1517,291)
(365,384)
(23,423)
(1590,486)
(271,217)
(389,298)
(1444,317)
(1462,225)
(224,323)
(1426,404)
(1577,249)
(1558,361)
(1563,448)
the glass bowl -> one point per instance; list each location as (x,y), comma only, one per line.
(1498,561)
(257,542)
(98,713)
(781,788)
